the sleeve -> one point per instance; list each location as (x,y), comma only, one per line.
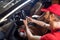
(43,38)
(48,37)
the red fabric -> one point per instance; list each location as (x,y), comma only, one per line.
(55,8)
(51,36)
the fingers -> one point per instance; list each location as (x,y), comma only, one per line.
(25,22)
(29,19)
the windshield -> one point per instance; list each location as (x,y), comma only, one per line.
(9,5)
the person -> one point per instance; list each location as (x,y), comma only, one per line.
(54,24)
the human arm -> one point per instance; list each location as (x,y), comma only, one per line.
(41,23)
(29,34)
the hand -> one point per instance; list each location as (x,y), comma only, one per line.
(30,19)
(25,22)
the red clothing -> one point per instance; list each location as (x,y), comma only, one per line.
(51,36)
